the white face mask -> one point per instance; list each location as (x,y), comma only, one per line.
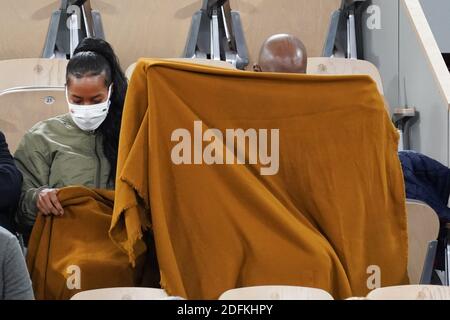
(89,117)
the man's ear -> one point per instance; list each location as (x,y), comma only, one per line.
(257,68)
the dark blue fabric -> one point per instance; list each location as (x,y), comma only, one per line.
(427,180)
(10,185)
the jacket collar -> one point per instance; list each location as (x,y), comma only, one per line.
(70,124)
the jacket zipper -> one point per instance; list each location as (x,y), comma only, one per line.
(99,163)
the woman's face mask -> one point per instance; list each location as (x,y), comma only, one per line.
(89,117)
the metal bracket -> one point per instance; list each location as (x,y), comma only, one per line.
(69,25)
(428,268)
(402,120)
(216,33)
(344,37)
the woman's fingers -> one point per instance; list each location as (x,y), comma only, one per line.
(42,206)
(48,203)
(55,202)
(42,209)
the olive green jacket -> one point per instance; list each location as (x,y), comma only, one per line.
(55,153)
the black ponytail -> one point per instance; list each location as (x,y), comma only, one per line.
(94,57)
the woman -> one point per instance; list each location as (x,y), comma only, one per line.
(80,147)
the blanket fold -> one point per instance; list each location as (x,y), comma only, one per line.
(74,253)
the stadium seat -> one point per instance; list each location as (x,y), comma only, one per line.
(341,66)
(213,63)
(122,294)
(276,293)
(423,227)
(412,292)
(32,73)
(36,104)
(33,87)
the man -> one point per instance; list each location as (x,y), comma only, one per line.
(425,179)
(10,185)
(282,53)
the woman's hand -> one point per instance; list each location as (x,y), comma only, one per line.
(48,203)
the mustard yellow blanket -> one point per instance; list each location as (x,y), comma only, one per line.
(260,179)
(73,253)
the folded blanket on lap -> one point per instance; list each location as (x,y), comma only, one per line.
(74,253)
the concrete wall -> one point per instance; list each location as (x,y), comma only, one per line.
(424,82)
(438,16)
(381,47)
(159,28)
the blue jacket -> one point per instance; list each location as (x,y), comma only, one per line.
(10,184)
(427,180)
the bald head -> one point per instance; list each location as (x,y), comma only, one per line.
(282,53)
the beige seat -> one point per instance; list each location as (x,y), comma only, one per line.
(205,62)
(32,73)
(275,293)
(412,292)
(122,294)
(423,227)
(21,109)
(33,91)
(316,65)
(341,66)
